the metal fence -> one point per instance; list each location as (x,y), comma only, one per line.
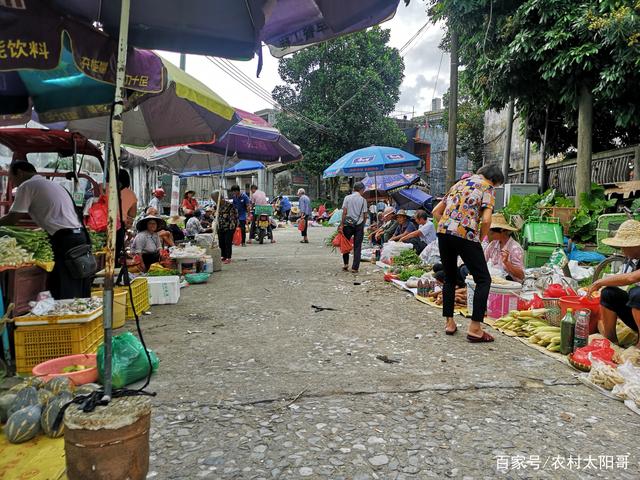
(606,167)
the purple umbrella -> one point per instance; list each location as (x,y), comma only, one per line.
(389,183)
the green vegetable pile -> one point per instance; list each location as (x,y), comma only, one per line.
(98,240)
(34,241)
(407,258)
(407,273)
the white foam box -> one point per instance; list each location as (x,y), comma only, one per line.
(164,290)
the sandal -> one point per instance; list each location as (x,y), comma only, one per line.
(451,332)
(345,268)
(354,271)
(485,338)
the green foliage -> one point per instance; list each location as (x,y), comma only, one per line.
(407,258)
(541,52)
(530,205)
(584,225)
(360,69)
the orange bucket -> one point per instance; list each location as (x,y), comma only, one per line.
(580,303)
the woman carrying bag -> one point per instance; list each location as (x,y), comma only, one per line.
(227,224)
(464,220)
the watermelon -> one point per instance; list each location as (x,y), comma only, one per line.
(26,397)
(49,415)
(59,384)
(23,425)
(5,403)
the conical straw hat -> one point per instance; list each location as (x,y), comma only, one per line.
(628,235)
(498,221)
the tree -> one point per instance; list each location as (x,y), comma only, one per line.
(553,56)
(348,85)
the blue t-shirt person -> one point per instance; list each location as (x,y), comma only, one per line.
(241,204)
(285,204)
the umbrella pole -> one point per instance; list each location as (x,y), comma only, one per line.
(116,126)
(224,164)
(375,179)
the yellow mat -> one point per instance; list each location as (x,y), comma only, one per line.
(39,459)
(464,311)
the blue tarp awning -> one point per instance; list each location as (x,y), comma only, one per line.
(241,166)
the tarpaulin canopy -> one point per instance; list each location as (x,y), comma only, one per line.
(241,166)
(371,159)
(231,28)
(31,140)
(413,199)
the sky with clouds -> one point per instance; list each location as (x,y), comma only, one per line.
(423,59)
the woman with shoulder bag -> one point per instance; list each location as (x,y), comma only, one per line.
(464,220)
(354,216)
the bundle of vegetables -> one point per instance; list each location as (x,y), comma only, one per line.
(34,241)
(407,273)
(11,254)
(523,323)
(407,258)
(98,240)
(157,270)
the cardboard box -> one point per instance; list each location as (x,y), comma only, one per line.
(164,290)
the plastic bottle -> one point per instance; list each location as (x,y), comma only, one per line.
(581,332)
(567,328)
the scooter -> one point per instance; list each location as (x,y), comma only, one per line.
(263,221)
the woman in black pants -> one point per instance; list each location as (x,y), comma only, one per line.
(464,220)
(227,223)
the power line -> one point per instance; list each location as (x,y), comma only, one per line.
(437,76)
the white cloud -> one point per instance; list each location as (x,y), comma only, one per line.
(421,66)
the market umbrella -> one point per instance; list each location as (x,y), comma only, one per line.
(231,28)
(386,184)
(413,199)
(183,160)
(254,139)
(187,111)
(371,159)
(241,166)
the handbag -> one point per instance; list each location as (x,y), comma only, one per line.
(80,262)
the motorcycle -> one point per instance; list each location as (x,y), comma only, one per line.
(263,221)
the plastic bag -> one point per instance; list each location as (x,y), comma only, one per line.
(129,363)
(341,242)
(393,249)
(558,258)
(237,237)
(578,272)
(99,215)
(630,389)
(430,255)
(604,374)
(301,224)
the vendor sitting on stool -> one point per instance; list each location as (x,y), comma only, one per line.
(423,236)
(614,302)
(503,251)
(147,242)
(194,225)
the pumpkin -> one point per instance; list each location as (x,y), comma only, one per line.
(18,387)
(5,403)
(59,384)
(26,397)
(36,382)
(23,425)
(66,397)
(87,388)
(49,415)
(44,396)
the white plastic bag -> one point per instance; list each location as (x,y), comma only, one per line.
(430,255)
(579,273)
(393,249)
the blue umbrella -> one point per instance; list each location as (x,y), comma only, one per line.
(386,183)
(241,166)
(371,159)
(413,199)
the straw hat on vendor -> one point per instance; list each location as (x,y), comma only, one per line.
(504,252)
(388,213)
(402,213)
(498,222)
(142,223)
(627,236)
(174,220)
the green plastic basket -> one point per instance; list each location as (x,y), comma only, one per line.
(194,278)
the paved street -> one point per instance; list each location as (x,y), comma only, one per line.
(253,383)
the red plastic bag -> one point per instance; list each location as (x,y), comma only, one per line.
(555,290)
(341,242)
(99,215)
(302,224)
(599,348)
(237,237)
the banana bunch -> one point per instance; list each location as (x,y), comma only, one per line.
(522,323)
(546,336)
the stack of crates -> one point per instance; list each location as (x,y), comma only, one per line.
(541,237)
(608,225)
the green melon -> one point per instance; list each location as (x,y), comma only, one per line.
(59,384)
(26,397)
(48,418)
(5,403)
(44,396)
(23,425)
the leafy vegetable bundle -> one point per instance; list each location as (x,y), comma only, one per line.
(34,241)
(407,258)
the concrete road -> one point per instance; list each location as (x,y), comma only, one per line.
(254,383)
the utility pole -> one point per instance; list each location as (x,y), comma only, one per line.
(507,147)
(453,110)
(585,124)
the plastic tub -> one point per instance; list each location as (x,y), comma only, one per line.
(578,303)
(53,368)
(503,299)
